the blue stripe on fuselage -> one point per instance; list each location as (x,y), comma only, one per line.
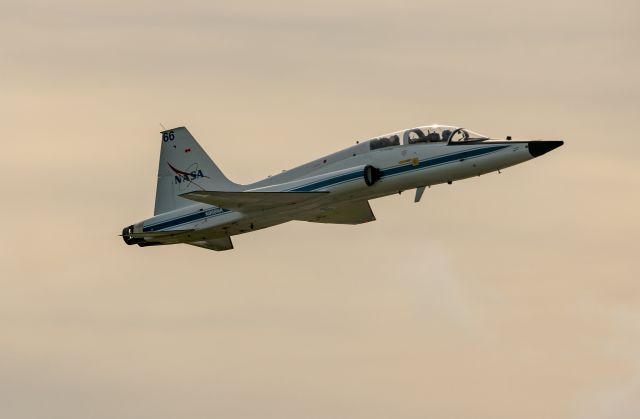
(328,182)
(347,177)
(438,161)
(200,215)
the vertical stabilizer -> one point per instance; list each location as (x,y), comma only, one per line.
(185,167)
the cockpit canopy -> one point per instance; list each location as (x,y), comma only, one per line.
(427,134)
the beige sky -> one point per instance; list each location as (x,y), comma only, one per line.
(507,296)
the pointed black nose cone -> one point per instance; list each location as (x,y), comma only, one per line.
(538,148)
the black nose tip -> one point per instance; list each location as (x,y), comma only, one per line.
(538,148)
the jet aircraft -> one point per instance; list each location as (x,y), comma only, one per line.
(196,204)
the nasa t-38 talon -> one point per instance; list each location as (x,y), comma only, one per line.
(196,204)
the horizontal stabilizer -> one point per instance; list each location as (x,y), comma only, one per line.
(224,243)
(351,213)
(251,201)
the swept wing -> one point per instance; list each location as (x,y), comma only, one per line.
(351,213)
(251,201)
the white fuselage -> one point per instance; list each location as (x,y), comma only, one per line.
(401,167)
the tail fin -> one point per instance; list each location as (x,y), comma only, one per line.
(185,167)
